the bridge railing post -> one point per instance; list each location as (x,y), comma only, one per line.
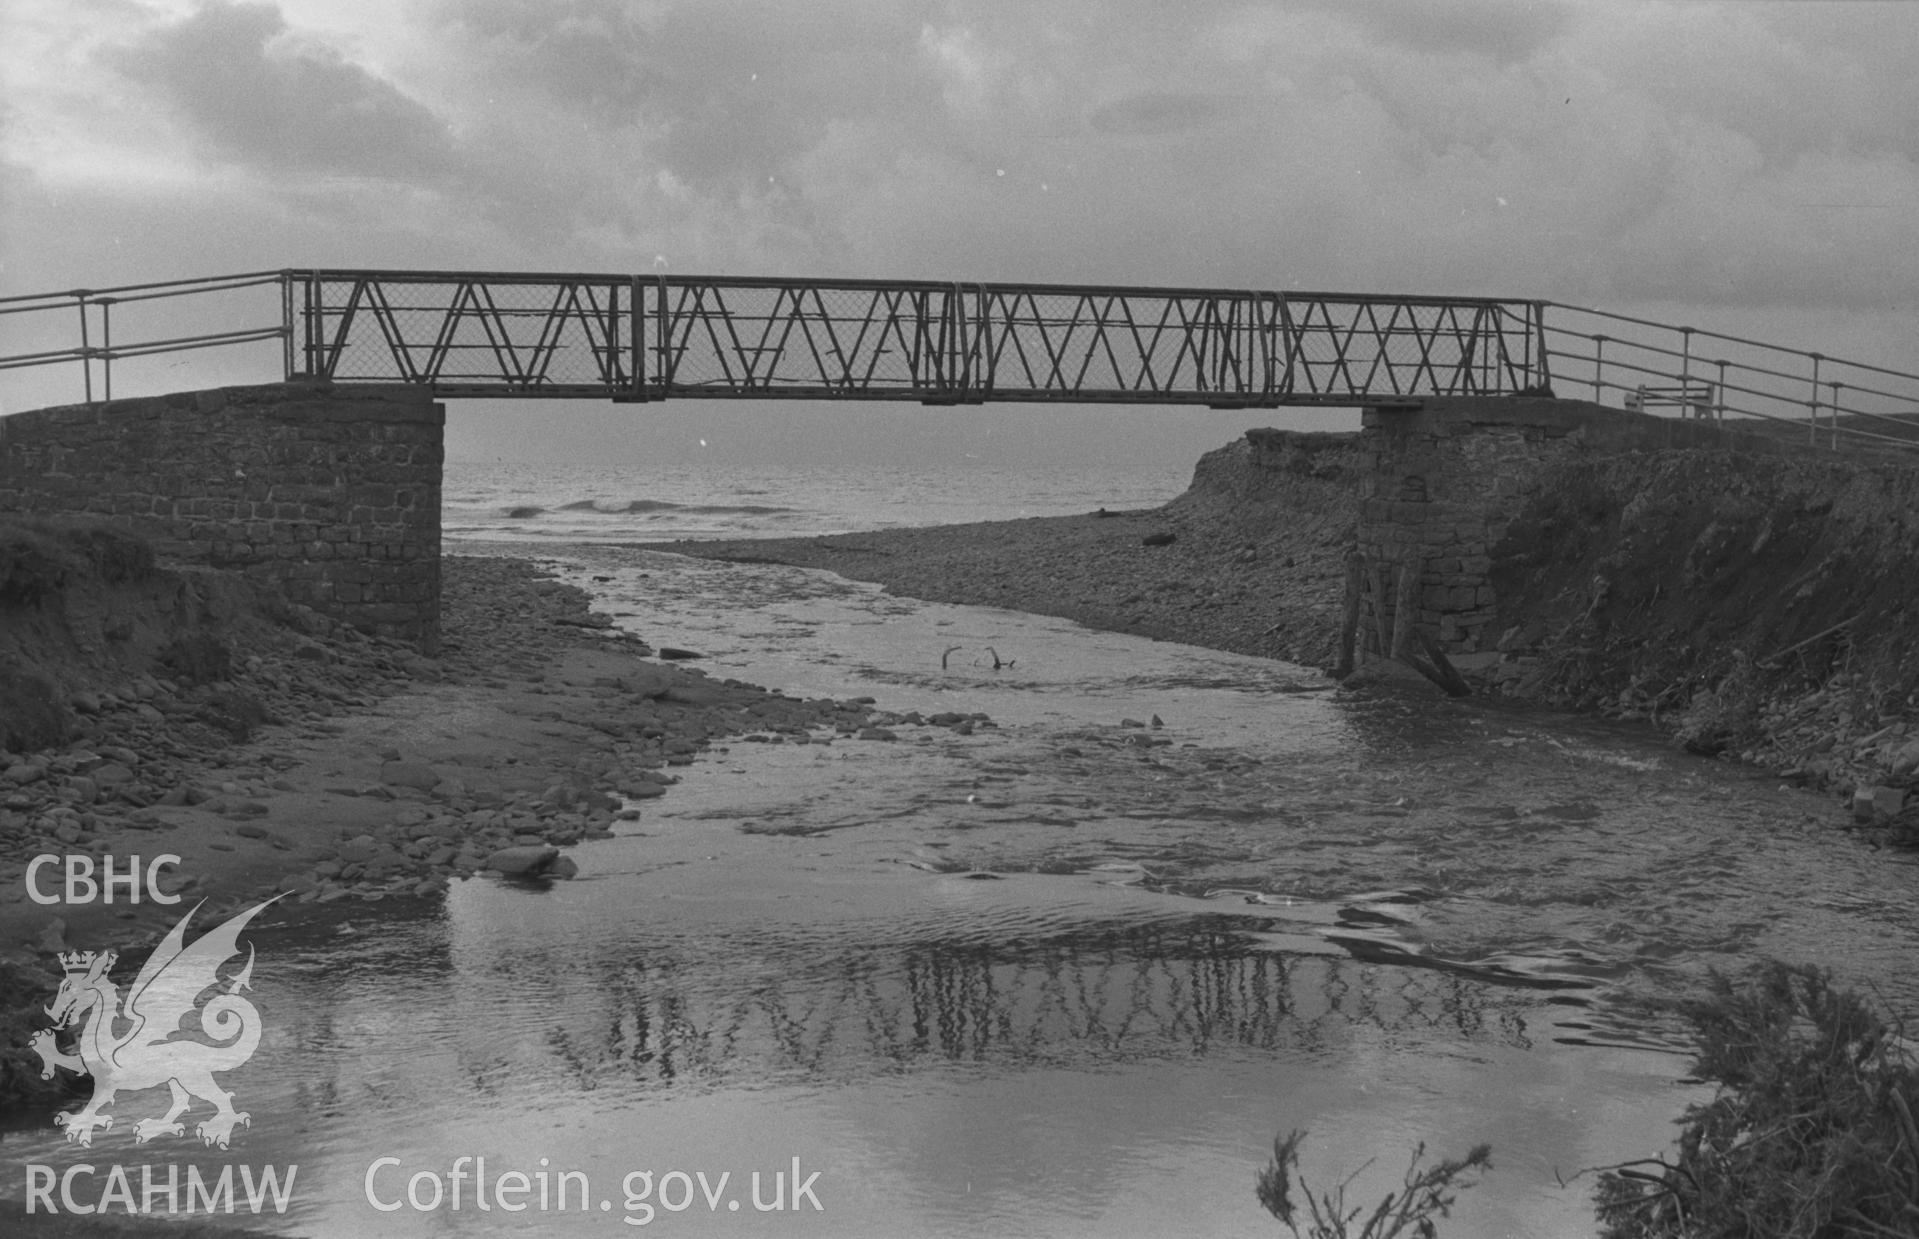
(662,335)
(1536,339)
(286,326)
(636,337)
(86,346)
(1812,426)
(106,345)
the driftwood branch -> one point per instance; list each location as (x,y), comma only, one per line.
(998,662)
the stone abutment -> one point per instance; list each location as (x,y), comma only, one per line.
(1439,486)
(333,493)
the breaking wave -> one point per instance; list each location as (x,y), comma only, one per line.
(614,507)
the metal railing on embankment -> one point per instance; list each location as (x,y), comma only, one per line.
(1638,363)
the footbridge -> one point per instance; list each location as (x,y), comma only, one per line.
(655,337)
(636,338)
(308,448)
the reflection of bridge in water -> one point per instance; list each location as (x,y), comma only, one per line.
(1174,990)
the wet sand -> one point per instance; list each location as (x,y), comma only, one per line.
(1202,570)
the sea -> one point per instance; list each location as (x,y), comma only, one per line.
(586,503)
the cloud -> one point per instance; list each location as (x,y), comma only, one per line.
(1720,155)
(254,95)
(1156,113)
(1501,30)
(721,94)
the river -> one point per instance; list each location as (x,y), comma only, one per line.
(1063,971)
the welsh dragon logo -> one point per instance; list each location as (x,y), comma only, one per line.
(144,1042)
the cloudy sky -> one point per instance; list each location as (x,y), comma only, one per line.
(1752,167)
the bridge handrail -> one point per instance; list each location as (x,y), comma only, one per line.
(178,288)
(854,283)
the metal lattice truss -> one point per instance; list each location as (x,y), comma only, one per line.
(654,337)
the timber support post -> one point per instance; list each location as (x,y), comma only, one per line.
(1349,622)
(1405,605)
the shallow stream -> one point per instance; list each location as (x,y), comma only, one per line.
(1068,974)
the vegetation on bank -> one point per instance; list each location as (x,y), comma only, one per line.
(1409,1212)
(1810,1134)
(1755,606)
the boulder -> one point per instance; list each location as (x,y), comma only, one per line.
(522,861)
(1876,804)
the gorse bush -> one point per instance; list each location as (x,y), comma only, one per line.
(1425,1195)
(1811,1132)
